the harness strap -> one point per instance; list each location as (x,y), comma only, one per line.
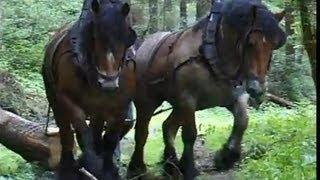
(208,49)
(47,67)
(155,50)
(171,39)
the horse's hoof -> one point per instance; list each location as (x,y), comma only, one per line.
(226,158)
(134,171)
(91,163)
(172,169)
(111,176)
(65,172)
(189,173)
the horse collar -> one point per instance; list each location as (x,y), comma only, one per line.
(208,49)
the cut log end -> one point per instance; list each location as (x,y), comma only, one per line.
(29,140)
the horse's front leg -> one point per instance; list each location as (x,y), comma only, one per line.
(137,165)
(68,168)
(189,135)
(111,139)
(97,127)
(89,160)
(230,152)
(169,130)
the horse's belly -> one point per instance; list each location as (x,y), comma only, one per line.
(200,84)
(212,96)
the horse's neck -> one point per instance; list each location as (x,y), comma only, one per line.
(228,51)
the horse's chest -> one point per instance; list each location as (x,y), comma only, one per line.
(94,103)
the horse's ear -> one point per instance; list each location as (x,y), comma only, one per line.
(279,16)
(125,9)
(95,6)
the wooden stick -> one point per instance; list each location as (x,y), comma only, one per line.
(279,100)
(87,173)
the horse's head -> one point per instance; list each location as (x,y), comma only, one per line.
(112,36)
(257,34)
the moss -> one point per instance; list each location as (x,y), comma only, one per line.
(9,161)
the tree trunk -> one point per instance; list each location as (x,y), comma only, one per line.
(1,23)
(168,23)
(203,7)
(28,139)
(183,13)
(308,35)
(290,66)
(153,16)
(167,4)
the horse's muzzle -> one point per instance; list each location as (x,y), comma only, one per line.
(256,90)
(108,85)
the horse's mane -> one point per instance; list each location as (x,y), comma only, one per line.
(227,6)
(80,35)
(231,8)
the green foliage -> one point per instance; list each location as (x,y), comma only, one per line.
(282,146)
(12,162)
(12,166)
(290,76)
(26,28)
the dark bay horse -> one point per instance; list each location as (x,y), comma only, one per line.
(85,76)
(173,67)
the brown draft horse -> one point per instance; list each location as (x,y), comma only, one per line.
(171,68)
(85,76)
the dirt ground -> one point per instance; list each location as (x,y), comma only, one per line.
(203,161)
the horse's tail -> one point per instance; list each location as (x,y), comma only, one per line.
(47,67)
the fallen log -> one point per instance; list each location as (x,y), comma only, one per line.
(279,100)
(29,140)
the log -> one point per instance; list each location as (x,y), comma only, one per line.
(279,100)
(28,139)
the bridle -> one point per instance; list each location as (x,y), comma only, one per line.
(124,61)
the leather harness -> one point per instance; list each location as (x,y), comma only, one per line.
(208,49)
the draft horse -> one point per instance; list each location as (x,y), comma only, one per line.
(220,61)
(85,76)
